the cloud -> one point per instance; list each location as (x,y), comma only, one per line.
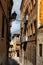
(16,6)
(16,24)
(15,27)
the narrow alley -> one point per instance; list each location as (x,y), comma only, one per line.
(21,32)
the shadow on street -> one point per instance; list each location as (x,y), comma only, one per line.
(12,62)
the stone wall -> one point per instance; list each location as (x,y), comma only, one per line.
(39,41)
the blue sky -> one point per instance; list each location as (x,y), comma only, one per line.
(16,24)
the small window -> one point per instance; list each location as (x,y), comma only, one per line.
(31,26)
(40,49)
(26,18)
(33,2)
(35,24)
(31,29)
(24,46)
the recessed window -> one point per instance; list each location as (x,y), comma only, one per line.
(31,28)
(35,25)
(26,18)
(33,2)
(40,49)
(24,46)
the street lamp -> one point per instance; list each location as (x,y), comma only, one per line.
(13,16)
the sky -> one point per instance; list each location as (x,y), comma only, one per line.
(16,24)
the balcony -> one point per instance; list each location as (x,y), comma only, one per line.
(24,39)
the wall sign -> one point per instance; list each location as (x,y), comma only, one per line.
(41,12)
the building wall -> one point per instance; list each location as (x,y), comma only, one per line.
(28,29)
(3,49)
(40,41)
(4,32)
(5,6)
(16,46)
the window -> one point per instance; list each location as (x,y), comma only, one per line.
(35,25)
(31,29)
(26,15)
(17,53)
(24,46)
(26,18)
(40,49)
(33,2)
(2,25)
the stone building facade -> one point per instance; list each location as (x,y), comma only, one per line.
(15,46)
(5,12)
(28,32)
(40,46)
